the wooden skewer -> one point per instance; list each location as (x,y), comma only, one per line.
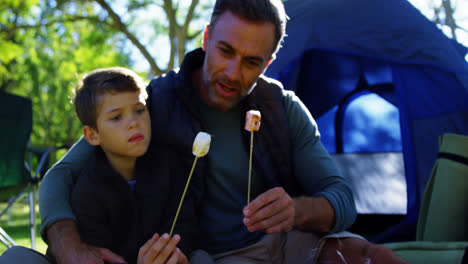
(250,166)
(183,196)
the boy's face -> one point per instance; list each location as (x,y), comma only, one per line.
(123,125)
(237,52)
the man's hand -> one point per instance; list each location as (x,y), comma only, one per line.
(159,250)
(89,255)
(66,246)
(273,212)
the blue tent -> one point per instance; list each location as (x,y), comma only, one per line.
(378,77)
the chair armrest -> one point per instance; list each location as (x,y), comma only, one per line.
(427,252)
(43,155)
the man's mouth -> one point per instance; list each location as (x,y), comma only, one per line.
(225,90)
(136,138)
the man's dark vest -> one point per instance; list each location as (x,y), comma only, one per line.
(176,120)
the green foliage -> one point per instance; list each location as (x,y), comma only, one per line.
(45,62)
(47,45)
(16,224)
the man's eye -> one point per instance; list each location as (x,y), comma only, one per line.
(253,63)
(224,50)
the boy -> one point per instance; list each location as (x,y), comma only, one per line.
(126,195)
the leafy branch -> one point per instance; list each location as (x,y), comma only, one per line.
(120,26)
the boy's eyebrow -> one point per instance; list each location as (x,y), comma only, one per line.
(115,109)
(227,45)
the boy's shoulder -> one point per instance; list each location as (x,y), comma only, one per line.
(91,181)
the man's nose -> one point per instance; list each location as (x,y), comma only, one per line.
(233,69)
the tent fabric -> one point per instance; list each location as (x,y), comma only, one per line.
(337,49)
(388,29)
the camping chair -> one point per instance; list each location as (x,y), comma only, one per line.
(442,231)
(16,176)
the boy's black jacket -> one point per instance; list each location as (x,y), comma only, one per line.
(110,215)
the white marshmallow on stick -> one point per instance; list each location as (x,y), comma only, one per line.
(201,146)
(252,124)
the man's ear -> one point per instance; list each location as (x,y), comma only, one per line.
(268,63)
(91,135)
(206,36)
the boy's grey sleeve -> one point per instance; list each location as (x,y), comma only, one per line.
(56,187)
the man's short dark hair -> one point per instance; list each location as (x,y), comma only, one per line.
(103,81)
(255,10)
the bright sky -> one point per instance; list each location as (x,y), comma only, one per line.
(460,14)
(158,45)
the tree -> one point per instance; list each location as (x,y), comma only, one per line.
(42,59)
(45,47)
(178,27)
(444,15)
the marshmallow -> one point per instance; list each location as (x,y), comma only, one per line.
(252,120)
(201,144)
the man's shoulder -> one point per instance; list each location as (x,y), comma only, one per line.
(270,81)
(164,82)
(268,85)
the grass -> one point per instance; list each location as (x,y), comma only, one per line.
(16,224)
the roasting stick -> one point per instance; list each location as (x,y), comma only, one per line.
(201,146)
(250,166)
(252,124)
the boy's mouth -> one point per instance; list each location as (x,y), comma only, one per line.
(136,138)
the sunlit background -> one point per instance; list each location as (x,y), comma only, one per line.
(159,44)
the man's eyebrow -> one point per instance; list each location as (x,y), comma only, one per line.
(227,45)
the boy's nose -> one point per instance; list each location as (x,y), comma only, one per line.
(132,123)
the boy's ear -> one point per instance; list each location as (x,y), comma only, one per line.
(206,36)
(91,135)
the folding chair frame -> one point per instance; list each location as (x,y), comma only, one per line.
(31,187)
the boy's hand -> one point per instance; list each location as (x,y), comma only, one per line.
(182,258)
(159,250)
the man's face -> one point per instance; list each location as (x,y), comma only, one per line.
(123,125)
(237,52)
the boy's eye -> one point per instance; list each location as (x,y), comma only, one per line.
(115,118)
(141,110)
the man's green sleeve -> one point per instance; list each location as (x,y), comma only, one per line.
(313,166)
(55,188)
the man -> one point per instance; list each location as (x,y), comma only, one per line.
(211,92)
(298,193)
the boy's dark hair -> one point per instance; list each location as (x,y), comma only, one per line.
(255,10)
(103,81)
